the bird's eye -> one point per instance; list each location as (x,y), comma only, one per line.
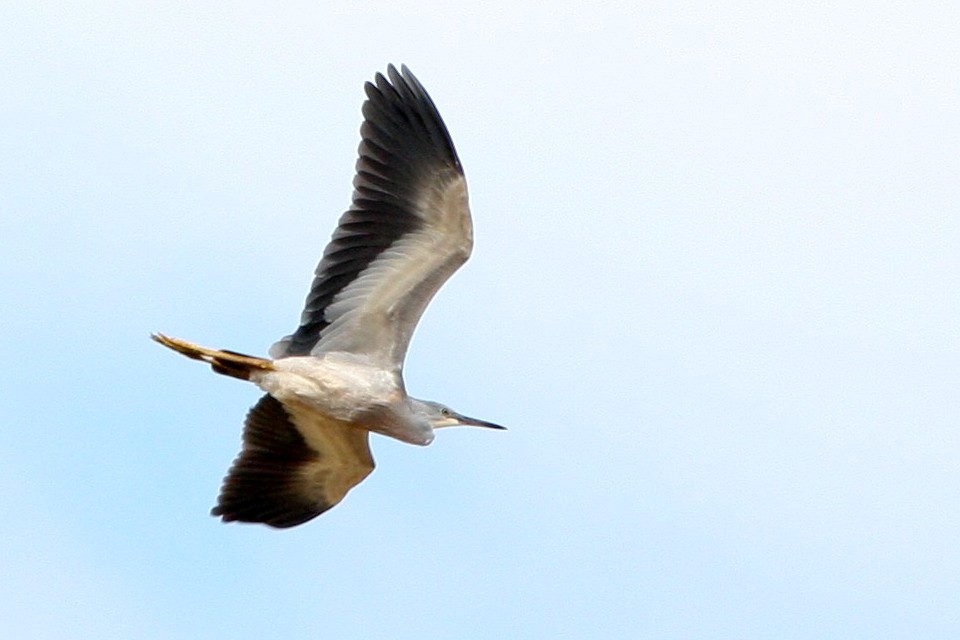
(445,412)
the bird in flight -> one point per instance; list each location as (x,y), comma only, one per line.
(339,376)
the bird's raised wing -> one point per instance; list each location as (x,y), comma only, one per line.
(406,232)
(294,465)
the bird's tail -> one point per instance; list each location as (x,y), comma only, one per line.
(229,363)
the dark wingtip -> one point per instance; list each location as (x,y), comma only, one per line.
(404,145)
(264,483)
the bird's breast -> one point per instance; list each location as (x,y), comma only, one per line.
(342,387)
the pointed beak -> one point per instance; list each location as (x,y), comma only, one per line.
(473,422)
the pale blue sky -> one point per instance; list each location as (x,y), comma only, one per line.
(714,295)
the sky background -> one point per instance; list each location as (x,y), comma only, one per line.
(714,295)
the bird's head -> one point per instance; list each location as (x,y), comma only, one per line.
(440,415)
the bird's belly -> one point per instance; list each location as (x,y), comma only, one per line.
(342,389)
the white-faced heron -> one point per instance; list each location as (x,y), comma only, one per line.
(339,376)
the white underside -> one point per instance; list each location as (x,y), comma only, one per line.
(347,388)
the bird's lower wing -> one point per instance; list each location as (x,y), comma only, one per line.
(294,465)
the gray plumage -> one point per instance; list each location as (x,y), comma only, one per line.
(339,376)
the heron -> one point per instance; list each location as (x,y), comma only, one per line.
(339,376)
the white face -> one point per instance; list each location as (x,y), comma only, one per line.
(443,416)
(439,415)
(447,417)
